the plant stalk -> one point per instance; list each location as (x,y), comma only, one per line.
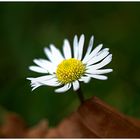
(80,95)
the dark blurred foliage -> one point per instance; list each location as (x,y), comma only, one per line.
(25,28)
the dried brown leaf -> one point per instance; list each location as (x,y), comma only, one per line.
(13,126)
(93,119)
(96,119)
(38,131)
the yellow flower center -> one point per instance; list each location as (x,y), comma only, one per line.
(70,70)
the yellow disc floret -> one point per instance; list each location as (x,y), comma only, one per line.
(70,70)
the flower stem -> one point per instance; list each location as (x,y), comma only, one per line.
(80,95)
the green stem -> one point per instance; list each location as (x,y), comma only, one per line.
(80,95)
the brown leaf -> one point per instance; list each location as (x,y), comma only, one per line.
(96,119)
(13,126)
(93,119)
(70,128)
(38,131)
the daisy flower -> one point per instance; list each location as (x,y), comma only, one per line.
(72,67)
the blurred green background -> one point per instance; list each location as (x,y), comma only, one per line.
(25,28)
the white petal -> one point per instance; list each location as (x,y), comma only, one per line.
(97,58)
(100,77)
(50,56)
(76,85)
(49,66)
(51,82)
(92,54)
(56,54)
(103,71)
(38,69)
(44,80)
(103,50)
(90,46)
(106,49)
(81,46)
(35,87)
(63,89)
(85,79)
(67,49)
(104,62)
(75,46)
(41,78)
(39,63)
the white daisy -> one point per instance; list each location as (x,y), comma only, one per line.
(71,68)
